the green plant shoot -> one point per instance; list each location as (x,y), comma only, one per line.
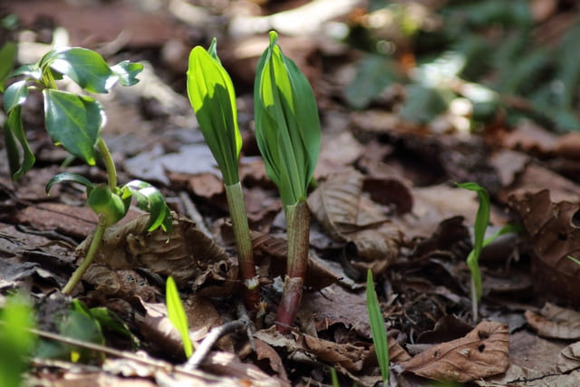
(288,136)
(74,121)
(575,260)
(177,316)
(378,328)
(212,97)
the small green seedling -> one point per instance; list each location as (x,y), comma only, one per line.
(576,261)
(378,328)
(177,316)
(288,136)
(211,94)
(481,223)
(74,121)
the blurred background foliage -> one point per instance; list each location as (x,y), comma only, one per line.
(488,59)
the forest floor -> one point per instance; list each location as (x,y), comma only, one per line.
(386,199)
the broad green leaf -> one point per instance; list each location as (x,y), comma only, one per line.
(107,204)
(287,123)
(15,95)
(151,200)
(29,71)
(86,67)
(16,341)
(211,94)
(74,121)
(110,322)
(177,316)
(481,223)
(377,327)
(127,72)
(69,177)
(14,135)
(7,58)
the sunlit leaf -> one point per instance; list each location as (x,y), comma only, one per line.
(287,123)
(127,72)
(151,200)
(211,94)
(377,327)
(177,316)
(74,121)
(15,95)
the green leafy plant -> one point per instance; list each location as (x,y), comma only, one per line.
(288,136)
(177,316)
(378,328)
(479,241)
(16,340)
(74,121)
(211,94)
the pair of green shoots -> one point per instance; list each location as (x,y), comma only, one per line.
(288,136)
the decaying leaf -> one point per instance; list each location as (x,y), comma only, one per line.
(187,254)
(481,353)
(119,283)
(265,352)
(555,322)
(350,356)
(569,358)
(555,234)
(339,205)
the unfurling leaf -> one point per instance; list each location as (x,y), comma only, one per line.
(287,123)
(177,315)
(211,94)
(151,200)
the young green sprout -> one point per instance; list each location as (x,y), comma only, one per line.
(177,316)
(480,226)
(288,136)
(211,94)
(378,328)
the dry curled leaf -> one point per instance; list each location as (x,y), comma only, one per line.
(481,353)
(350,356)
(555,234)
(188,255)
(555,322)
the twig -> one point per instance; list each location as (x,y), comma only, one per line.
(214,335)
(193,213)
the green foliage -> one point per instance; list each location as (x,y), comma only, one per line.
(287,123)
(211,94)
(575,260)
(7,57)
(177,316)
(378,328)
(16,340)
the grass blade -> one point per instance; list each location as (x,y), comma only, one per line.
(378,328)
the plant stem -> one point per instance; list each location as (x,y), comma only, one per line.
(109,164)
(248,275)
(298,225)
(95,243)
(474,301)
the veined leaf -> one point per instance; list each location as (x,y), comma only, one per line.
(211,94)
(74,121)
(86,67)
(151,200)
(287,123)
(377,327)
(481,223)
(127,72)
(13,134)
(177,316)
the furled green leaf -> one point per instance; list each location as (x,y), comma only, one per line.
(211,94)
(108,204)
(377,328)
(15,95)
(14,135)
(287,123)
(151,200)
(127,72)
(481,223)
(7,58)
(69,177)
(74,121)
(177,316)
(86,67)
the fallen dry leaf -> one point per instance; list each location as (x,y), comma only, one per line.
(481,353)
(569,358)
(349,356)
(555,322)
(555,234)
(265,352)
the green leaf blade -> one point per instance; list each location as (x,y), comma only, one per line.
(212,97)
(15,95)
(7,58)
(177,316)
(14,137)
(127,72)
(69,177)
(151,200)
(377,328)
(86,67)
(74,121)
